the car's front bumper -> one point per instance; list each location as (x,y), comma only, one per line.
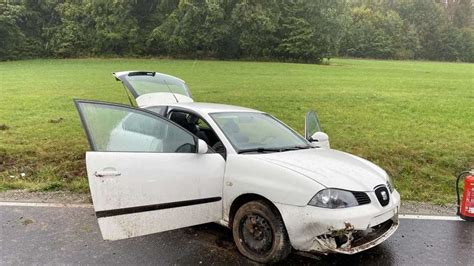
(348,231)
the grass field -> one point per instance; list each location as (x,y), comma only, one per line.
(415,119)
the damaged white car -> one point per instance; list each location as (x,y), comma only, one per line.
(169,163)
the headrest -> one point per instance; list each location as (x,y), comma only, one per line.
(192,119)
(179,118)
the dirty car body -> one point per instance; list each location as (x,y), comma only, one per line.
(169,162)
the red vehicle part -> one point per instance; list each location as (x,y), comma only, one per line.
(466,203)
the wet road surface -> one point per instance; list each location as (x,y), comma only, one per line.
(47,235)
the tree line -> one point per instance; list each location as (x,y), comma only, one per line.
(285,30)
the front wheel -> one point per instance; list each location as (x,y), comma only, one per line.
(259,233)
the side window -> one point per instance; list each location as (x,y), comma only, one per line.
(203,125)
(124,129)
(198,127)
(312,124)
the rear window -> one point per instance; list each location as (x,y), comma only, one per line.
(151,82)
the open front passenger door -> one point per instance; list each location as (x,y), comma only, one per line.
(313,131)
(147,174)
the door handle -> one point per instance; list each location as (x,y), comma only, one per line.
(105,173)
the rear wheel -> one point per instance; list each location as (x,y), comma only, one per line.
(259,233)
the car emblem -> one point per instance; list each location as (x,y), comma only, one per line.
(384,195)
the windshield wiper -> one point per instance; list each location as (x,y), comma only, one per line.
(295,148)
(261,149)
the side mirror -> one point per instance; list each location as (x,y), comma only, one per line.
(313,131)
(202,146)
(320,139)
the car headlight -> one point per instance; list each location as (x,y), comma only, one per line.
(333,198)
(390,185)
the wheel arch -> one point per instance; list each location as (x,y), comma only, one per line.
(248,197)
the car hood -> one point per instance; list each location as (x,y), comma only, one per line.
(330,168)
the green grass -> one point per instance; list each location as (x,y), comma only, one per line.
(415,119)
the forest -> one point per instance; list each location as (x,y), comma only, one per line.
(269,30)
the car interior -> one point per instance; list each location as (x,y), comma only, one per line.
(197,126)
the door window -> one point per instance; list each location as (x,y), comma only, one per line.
(119,128)
(200,128)
(312,124)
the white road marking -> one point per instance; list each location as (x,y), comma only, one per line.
(429,217)
(86,205)
(44,204)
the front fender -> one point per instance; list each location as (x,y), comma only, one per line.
(247,174)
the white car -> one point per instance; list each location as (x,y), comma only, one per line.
(169,163)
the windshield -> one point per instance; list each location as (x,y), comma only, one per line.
(257,132)
(152,82)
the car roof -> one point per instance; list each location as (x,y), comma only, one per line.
(213,107)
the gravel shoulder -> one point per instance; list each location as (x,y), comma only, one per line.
(426,208)
(67,197)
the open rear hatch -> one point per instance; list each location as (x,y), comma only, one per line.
(149,88)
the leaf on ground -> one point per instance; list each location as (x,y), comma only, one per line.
(27,222)
(55,121)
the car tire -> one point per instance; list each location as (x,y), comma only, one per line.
(259,233)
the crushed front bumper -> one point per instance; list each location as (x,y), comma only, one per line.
(348,231)
(349,241)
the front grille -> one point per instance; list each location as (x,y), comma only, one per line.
(382,195)
(361,197)
(390,187)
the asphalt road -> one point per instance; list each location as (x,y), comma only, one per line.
(52,235)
